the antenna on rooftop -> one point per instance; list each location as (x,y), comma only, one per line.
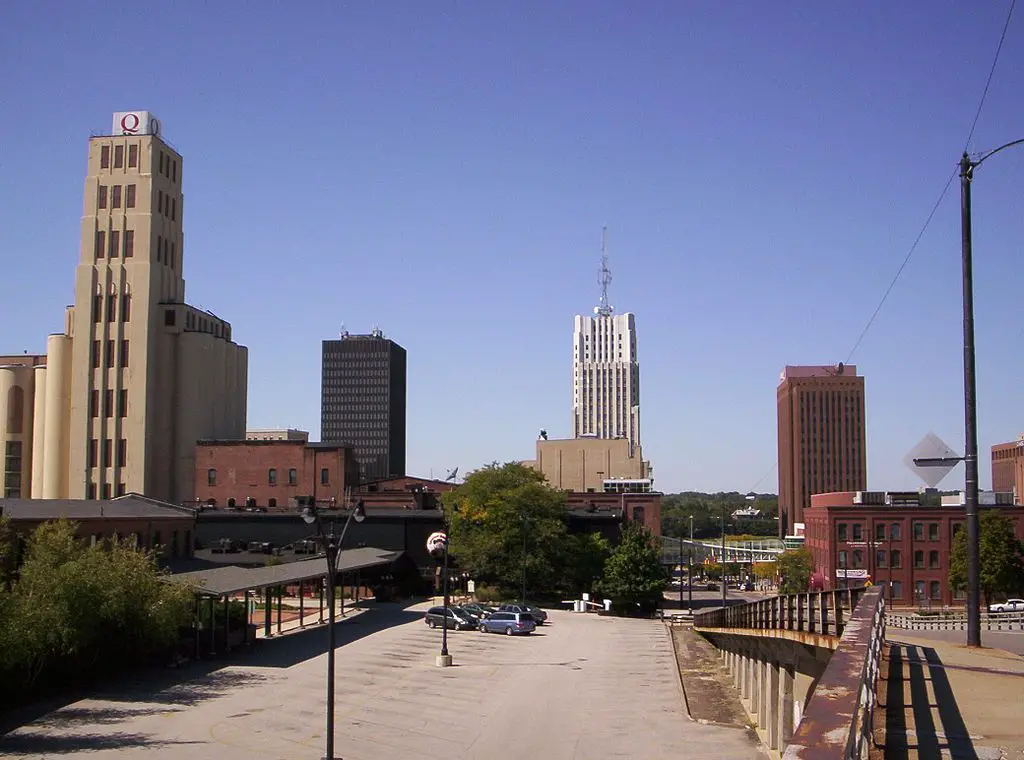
(604,278)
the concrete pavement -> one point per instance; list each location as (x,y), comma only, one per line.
(582,687)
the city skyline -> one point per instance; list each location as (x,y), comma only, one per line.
(761,197)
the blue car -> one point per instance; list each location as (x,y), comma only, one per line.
(509,623)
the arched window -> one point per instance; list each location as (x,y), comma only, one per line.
(15,409)
(638,514)
(272,503)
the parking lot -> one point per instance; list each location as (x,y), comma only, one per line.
(582,686)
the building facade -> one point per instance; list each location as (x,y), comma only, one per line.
(606,378)
(822,436)
(362,401)
(287,434)
(899,539)
(137,375)
(273,474)
(1008,467)
(585,464)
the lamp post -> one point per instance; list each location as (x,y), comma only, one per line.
(310,515)
(724,584)
(967,167)
(525,520)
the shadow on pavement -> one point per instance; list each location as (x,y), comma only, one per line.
(921,728)
(30,743)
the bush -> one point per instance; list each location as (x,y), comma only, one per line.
(488,594)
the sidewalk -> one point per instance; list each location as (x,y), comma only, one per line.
(943,700)
(290,618)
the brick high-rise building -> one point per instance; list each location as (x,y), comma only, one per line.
(362,401)
(1008,467)
(822,436)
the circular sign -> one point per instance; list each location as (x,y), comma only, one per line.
(437,542)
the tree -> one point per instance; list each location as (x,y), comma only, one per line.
(634,578)
(504,518)
(795,567)
(765,570)
(1001,565)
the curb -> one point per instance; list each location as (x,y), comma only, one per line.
(679,675)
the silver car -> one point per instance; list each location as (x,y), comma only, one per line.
(509,623)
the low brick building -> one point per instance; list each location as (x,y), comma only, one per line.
(167,528)
(273,474)
(901,539)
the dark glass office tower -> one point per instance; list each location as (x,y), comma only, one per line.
(362,401)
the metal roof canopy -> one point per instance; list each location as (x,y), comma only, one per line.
(219,581)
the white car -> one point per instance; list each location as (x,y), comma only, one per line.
(1010,605)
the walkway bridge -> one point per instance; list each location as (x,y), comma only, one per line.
(806,667)
(758,550)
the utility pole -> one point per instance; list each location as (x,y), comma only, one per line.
(724,584)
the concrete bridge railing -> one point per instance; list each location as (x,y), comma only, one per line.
(833,640)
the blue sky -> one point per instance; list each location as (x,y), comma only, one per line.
(442,170)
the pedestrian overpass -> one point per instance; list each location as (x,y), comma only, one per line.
(676,551)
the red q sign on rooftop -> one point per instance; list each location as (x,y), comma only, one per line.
(135,123)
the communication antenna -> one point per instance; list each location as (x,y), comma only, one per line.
(604,278)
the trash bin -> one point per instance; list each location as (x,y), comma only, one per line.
(607,605)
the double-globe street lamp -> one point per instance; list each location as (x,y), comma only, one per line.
(311,515)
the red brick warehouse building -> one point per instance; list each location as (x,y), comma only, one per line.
(902,539)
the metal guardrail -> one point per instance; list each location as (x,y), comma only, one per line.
(820,612)
(954,621)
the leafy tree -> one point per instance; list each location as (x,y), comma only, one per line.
(764,570)
(712,571)
(795,567)
(8,551)
(634,578)
(506,517)
(1001,565)
(707,514)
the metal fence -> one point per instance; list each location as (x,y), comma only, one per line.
(821,612)
(954,621)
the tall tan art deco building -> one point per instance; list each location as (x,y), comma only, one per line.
(822,437)
(137,376)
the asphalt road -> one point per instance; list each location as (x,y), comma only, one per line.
(583,686)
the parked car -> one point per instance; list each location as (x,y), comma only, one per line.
(509,623)
(457,619)
(479,610)
(539,616)
(1010,605)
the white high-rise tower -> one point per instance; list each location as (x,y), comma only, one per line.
(606,374)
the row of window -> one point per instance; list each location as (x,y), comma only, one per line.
(133,156)
(168,167)
(293,476)
(115,196)
(102,453)
(108,354)
(12,470)
(105,491)
(108,406)
(933,590)
(119,245)
(111,300)
(855,531)
(167,205)
(890,559)
(166,251)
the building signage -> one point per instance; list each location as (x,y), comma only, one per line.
(861,574)
(135,123)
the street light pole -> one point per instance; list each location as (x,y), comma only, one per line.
(523,600)
(724,584)
(309,515)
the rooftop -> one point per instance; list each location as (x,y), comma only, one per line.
(129,506)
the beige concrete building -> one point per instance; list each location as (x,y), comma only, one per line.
(137,376)
(289,434)
(584,464)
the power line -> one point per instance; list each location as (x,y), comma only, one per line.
(945,189)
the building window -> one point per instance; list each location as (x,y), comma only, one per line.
(122,402)
(211,477)
(160,201)
(95,354)
(933,531)
(118,164)
(94,404)
(957,527)
(933,559)
(12,470)
(105,157)
(115,244)
(129,196)
(120,489)
(935,590)
(272,503)
(111,307)
(90,491)
(897,589)
(108,449)
(858,558)
(895,532)
(101,201)
(919,559)
(173,249)
(105,493)
(101,244)
(122,452)
(133,156)
(174,208)
(918,531)
(842,531)
(293,477)
(896,558)
(126,302)
(325,476)
(174,171)
(879,531)
(169,317)
(124,354)
(272,477)
(109,355)
(108,403)
(842,559)
(91,455)
(115,196)
(881,558)
(97,308)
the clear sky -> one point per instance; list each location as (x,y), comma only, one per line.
(442,170)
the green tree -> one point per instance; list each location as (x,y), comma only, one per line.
(764,570)
(634,578)
(1001,565)
(795,567)
(504,518)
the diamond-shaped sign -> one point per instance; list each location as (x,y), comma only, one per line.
(935,459)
